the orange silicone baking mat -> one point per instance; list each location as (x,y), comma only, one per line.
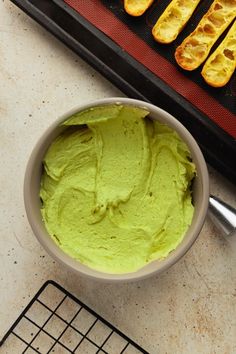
(133,35)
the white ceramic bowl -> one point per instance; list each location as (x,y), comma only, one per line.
(32,200)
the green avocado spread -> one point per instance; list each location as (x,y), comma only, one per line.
(116,189)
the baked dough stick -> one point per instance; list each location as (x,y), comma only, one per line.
(195,48)
(137,7)
(173,20)
(220,66)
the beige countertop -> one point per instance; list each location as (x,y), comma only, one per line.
(189,309)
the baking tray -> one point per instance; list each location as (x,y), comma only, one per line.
(83,32)
(55,321)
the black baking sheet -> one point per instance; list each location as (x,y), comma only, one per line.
(133,78)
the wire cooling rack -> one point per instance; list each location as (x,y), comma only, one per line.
(57,322)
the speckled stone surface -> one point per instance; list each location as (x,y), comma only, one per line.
(189,309)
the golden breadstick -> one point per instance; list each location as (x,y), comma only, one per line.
(220,66)
(196,47)
(137,7)
(173,20)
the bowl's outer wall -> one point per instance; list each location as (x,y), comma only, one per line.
(33,204)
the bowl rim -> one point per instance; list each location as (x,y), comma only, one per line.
(54,250)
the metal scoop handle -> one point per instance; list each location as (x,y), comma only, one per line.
(224,217)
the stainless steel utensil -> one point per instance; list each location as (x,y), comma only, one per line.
(224,217)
